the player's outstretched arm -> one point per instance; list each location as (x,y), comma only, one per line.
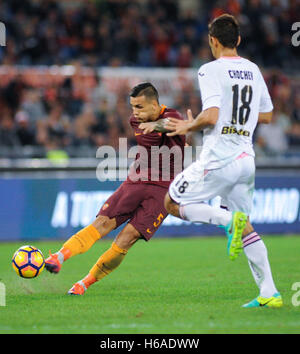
(204,119)
(158,126)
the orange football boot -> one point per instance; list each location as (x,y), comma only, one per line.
(52,263)
(77,289)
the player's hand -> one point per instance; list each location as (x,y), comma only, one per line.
(147,127)
(178,126)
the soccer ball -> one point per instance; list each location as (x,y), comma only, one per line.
(28,262)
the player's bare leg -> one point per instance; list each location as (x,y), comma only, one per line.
(127,237)
(172,207)
(81,242)
(109,260)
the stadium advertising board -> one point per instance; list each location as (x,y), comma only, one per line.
(56,208)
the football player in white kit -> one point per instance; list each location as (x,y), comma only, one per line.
(235,98)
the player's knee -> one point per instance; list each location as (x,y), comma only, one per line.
(127,237)
(167,202)
(171,207)
(104,224)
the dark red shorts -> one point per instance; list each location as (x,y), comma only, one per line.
(140,203)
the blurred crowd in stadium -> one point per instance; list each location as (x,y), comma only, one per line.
(149,33)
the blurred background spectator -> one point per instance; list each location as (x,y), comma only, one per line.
(272,139)
(65,115)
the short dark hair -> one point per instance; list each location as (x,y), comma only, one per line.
(145,89)
(226,29)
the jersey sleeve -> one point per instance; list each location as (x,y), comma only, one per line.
(265,103)
(210,87)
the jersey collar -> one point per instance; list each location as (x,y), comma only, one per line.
(163,108)
(224,57)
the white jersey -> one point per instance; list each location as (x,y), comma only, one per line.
(236,86)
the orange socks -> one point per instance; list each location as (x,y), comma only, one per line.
(80,242)
(88,280)
(108,262)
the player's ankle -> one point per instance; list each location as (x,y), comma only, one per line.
(63,254)
(89,280)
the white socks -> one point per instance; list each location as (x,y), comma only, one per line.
(254,248)
(256,252)
(205,213)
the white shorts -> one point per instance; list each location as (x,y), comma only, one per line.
(234,183)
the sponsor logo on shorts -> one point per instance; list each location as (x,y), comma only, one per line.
(105,206)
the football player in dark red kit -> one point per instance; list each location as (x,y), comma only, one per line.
(140,199)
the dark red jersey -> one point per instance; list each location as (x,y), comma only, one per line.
(159,156)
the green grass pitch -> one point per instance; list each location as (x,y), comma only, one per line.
(183,285)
